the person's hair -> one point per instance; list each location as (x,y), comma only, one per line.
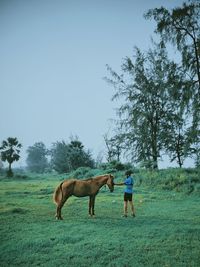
(129,172)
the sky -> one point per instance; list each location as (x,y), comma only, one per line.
(53,56)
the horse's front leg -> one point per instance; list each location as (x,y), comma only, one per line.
(90,206)
(93,202)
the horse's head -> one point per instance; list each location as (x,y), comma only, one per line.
(110,182)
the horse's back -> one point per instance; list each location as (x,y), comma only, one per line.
(84,188)
(79,188)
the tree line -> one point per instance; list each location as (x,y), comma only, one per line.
(160,96)
(63,157)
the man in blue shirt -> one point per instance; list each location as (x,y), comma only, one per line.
(128,193)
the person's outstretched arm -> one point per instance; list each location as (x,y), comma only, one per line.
(118,183)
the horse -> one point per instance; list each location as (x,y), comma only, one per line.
(81,188)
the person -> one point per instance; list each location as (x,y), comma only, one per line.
(128,193)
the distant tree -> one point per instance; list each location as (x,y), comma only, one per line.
(37,157)
(99,159)
(1,164)
(114,147)
(66,157)
(78,156)
(59,157)
(109,148)
(10,150)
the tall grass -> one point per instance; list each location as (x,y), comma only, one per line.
(179,180)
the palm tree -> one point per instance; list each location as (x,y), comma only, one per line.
(10,152)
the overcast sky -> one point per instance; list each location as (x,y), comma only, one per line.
(53,56)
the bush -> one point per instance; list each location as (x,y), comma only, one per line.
(81,172)
(197,189)
(84,172)
(180,180)
(115,165)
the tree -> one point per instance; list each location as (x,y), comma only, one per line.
(114,147)
(181,27)
(194,149)
(1,164)
(59,157)
(10,150)
(175,141)
(66,157)
(37,157)
(142,86)
(78,156)
(151,119)
(177,117)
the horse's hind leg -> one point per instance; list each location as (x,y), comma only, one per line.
(58,210)
(66,193)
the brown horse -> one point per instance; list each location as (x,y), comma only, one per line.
(81,188)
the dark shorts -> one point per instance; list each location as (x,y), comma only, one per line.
(128,197)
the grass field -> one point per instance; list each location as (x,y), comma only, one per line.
(165,232)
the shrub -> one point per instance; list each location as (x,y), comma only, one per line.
(115,165)
(180,180)
(81,172)
(85,172)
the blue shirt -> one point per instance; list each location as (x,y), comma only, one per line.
(129,185)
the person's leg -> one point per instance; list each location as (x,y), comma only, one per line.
(132,208)
(125,209)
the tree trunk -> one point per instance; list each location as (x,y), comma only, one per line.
(9,172)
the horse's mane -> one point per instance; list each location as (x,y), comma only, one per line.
(95,177)
(100,176)
(88,179)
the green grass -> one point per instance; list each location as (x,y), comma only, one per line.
(166,231)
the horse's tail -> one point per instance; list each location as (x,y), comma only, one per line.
(58,194)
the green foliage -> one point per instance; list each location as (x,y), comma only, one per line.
(181,27)
(85,172)
(10,150)
(67,157)
(179,180)
(115,165)
(114,148)
(161,109)
(152,117)
(37,158)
